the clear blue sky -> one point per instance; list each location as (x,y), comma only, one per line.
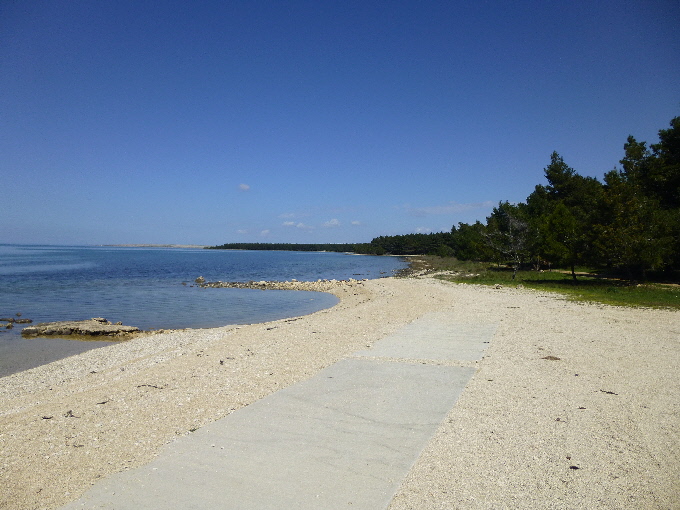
(288,121)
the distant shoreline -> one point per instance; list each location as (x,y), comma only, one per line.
(155,245)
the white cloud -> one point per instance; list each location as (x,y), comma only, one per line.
(423,230)
(449,208)
(242,231)
(265,232)
(356,222)
(332,223)
(300,225)
(244,187)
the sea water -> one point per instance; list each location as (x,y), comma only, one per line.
(153,288)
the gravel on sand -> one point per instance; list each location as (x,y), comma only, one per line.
(573,405)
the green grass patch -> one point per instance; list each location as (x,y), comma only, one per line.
(590,285)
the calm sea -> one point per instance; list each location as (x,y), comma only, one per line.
(153,288)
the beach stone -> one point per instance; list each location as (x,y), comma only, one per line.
(200,279)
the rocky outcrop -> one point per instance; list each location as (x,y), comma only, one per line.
(97,326)
(318,286)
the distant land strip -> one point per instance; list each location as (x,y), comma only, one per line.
(287,247)
(156,245)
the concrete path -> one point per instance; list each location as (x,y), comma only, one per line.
(342,439)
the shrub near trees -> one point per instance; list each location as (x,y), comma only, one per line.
(629,222)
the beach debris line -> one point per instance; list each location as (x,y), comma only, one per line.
(97,326)
(319,285)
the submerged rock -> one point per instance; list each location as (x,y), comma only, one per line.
(12,320)
(92,327)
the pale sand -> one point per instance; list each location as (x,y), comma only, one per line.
(510,441)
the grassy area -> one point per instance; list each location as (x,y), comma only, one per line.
(590,285)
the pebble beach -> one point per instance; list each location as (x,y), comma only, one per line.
(573,405)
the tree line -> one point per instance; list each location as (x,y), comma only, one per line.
(629,222)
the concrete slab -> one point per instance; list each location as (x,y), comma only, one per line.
(435,337)
(343,439)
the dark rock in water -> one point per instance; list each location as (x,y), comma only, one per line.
(200,279)
(18,321)
(97,326)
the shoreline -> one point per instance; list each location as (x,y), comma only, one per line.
(510,440)
(97,339)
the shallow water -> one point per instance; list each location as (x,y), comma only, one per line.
(152,288)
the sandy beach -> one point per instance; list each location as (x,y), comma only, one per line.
(573,405)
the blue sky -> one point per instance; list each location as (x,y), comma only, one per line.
(257,121)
